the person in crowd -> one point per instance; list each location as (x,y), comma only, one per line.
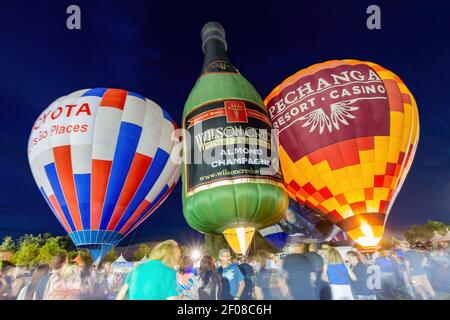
(29,290)
(338,275)
(325,291)
(317,262)
(299,273)
(87,283)
(362,289)
(404,290)
(253,263)
(249,277)
(233,283)
(278,261)
(67,285)
(427,250)
(388,279)
(19,281)
(415,262)
(270,285)
(441,266)
(208,284)
(185,278)
(56,266)
(6,279)
(155,279)
(102,281)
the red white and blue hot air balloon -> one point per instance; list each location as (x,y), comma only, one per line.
(102,160)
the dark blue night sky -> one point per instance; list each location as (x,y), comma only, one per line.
(154,48)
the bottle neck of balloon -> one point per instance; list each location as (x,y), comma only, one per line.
(215,52)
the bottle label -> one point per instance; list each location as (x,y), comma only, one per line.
(229,142)
(220,66)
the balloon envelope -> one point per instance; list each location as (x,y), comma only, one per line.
(101,159)
(239,238)
(275,235)
(298,221)
(348,132)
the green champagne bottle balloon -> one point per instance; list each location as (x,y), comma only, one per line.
(232,183)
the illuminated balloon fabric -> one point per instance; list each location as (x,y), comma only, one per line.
(348,132)
(298,220)
(100,158)
(223,112)
(239,238)
(342,239)
(275,235)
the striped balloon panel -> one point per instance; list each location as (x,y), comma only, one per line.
(101,158)
(275,235)
(352,169)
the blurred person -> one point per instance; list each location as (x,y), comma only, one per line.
(441,267)
(277,261)
(338,275)
(19,281)
(56,266)
(233,283)
(270,285)
(317,262)
(404,287)
(253,264)
(415,261)
(249,277)
(67,285)
(429,267)
(6,279)
(102,281)
(185,278)
(445,246)
(299,273)
(87,283)
(324,246)
(388,279)
(29,290)
(270,264)
(360,286)
(156,278)
(208,284)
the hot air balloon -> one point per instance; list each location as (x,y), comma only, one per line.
(341,239)
(348,132)
(101,159)
(232,182)
(299,221)
(275,235)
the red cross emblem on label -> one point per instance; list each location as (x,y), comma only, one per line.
(236,111)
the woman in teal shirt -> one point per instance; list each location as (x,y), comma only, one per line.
(154,279)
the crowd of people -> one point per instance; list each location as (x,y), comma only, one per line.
(303,272)
(60,280)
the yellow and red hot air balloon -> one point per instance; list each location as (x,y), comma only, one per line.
(348,132)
